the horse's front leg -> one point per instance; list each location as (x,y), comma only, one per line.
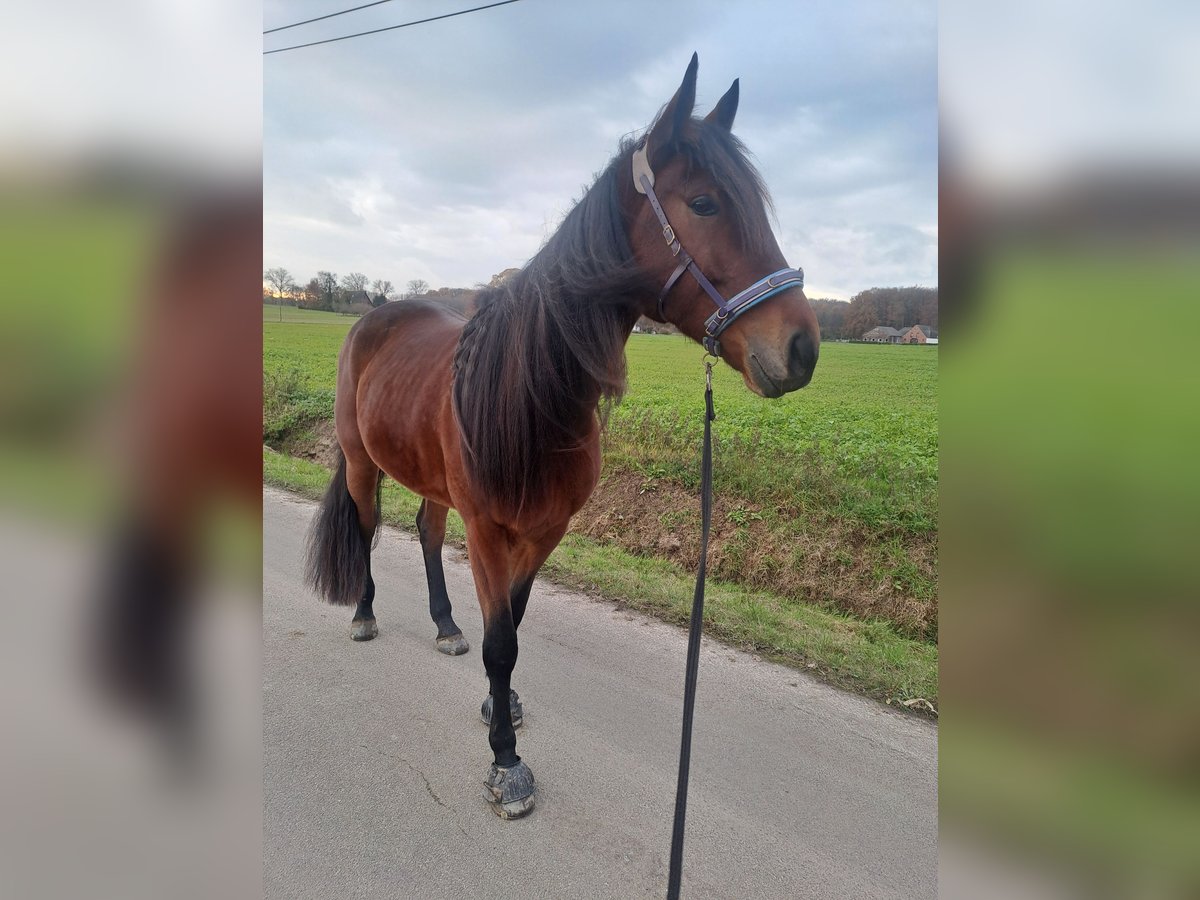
(510,789)
(517,599)
(527,560)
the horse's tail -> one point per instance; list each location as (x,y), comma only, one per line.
(338,558)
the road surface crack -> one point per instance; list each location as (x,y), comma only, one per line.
(429,790)
(428,786)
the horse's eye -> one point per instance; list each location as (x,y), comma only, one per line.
(704,205)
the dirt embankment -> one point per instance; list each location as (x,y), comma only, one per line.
(811,562)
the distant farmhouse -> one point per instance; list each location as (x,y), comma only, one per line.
(883,334)
(917,334)
(920,334)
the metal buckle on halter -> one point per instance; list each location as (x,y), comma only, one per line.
(641,167)
(669,235)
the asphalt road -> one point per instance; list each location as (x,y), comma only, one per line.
(374,755)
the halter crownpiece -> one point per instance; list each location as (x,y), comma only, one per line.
(727,310)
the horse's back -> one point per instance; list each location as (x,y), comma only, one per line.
(393,392)
(401,327)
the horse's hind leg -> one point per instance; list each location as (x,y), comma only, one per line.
(363,481)
(431,526)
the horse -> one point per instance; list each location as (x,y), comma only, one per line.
(190,438)
(499,415)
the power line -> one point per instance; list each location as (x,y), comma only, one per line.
(330,16)
(346,37)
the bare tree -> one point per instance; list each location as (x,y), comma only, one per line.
(416,288)
(382,287)
(280,279)
(355,281)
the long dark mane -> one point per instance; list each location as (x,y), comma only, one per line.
(548,346)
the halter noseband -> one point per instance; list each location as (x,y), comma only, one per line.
(727,310)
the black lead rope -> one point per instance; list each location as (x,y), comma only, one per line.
(727,311)
(693,651)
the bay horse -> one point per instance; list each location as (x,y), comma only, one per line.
(499,415)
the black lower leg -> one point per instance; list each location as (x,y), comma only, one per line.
(435,576)
(499,658)
(365,609)
(140,645)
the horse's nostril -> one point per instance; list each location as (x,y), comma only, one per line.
(802,355)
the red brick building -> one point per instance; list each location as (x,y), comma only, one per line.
(919,334)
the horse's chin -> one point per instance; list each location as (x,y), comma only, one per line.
(758,381)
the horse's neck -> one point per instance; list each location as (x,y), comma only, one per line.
(589,407)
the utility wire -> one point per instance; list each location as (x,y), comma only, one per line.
(330,16)
(346,37)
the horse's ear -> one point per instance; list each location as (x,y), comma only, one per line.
(672,119)
(722,114)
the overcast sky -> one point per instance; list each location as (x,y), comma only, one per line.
(450,151)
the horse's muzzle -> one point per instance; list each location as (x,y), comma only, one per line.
(773,373)
(802,360)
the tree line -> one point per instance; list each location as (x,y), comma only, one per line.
(353,293)
(897,307)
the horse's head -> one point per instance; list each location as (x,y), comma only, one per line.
(713,206)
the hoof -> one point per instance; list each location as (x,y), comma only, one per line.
(452,645)
(514,706)
(363,629)
(509,791)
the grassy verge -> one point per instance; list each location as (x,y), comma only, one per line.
(868,657)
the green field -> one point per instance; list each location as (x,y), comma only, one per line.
(825,500)
(869,419)
(273,313)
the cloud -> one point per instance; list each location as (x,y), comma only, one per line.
(450,151)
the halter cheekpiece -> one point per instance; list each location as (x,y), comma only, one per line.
(727,310)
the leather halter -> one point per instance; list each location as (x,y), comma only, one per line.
(727,310)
